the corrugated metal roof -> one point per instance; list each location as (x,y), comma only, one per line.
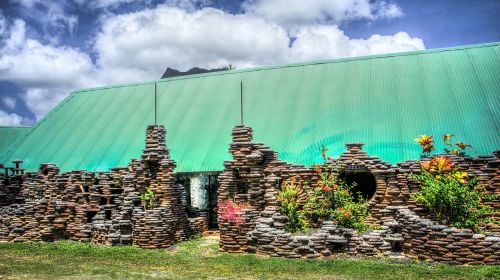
(9,135)
(384,101)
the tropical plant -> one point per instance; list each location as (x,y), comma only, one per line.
(289,197)
(317,208)
(308,206)
(426,143)
(148,199)
(457,149)
(230,211)
(450,195)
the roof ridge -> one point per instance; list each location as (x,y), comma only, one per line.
(16,126)
(297,64)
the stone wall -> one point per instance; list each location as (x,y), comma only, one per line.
(100,207)
(430,241)
(255,172)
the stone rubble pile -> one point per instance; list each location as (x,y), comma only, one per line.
(103,207)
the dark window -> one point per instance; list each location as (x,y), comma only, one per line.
(364,181)
(103,201)
(90,216)
(241,186)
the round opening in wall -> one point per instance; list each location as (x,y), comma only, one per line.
(364,182)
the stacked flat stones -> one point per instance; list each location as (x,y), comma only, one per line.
(103,208)
(251,177)
(258,169)
(430,241)
(167,223)
(152,228)
(270,238)
(408,232)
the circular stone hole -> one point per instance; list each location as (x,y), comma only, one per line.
(365,182)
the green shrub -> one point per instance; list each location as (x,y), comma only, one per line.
(450,196)
(316,209)
(331,198)
(288,197)
(352,212)
(148,199)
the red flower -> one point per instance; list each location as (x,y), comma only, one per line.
(317,168)
(232,212)
(327,189)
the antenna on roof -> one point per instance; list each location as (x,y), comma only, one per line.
(241,101)
(155,103)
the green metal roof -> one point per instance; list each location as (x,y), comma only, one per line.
(10,135)
(384,101)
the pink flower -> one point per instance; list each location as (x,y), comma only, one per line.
(230,211)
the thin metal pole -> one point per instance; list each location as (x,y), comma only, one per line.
(155,103)
(241,101)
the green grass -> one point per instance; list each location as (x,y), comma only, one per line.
(200,259)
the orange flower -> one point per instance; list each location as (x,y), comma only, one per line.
(339,209)
(317,168)
(347,213)
(442,164)
(327,189)
(426,165)
(426,143)
(424,140)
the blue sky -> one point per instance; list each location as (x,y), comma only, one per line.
(50,48)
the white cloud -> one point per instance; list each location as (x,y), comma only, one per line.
(11,119)
(36,64)
(9,102)
(328,41)
(27,3)
(140,45)
(189,5)
(299,12)
(106,3)
(46,73)
(383,9)
(153,39)
(148,41)
(3,24)
(42,100)
(50,14)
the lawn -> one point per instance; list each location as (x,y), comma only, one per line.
(200,259)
